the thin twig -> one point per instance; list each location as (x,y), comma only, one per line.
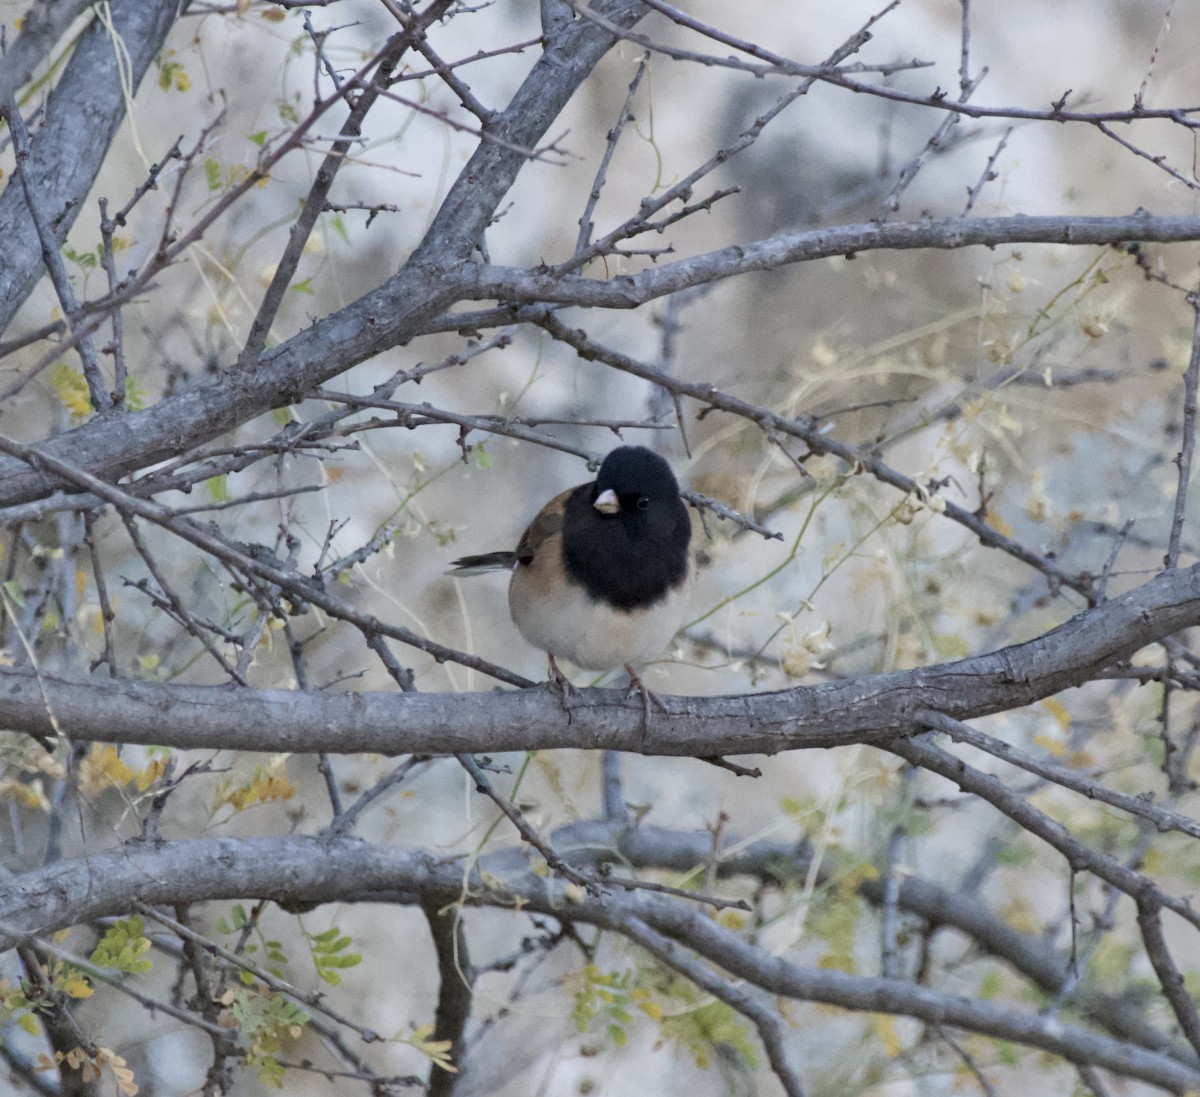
(682,190)
(346,821)
(236,557)
(819,441)
(921,752)
(967,1061)
(610,147)
(1163,819)
(312,999)
(553,859)
(1170,978)
(629,884)
(889,912)
(986,176)
(152,1005)
(52,258)
(763,1016)
(1183,460)
(107,615)
(118,334)
(314,203)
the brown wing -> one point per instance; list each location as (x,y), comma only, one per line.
(548,522)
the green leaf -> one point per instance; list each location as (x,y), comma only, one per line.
(259,138)
(218,488)
(990,985)
(135,395)
(30,1024)
(212,173)
(121,948)
(13,589)
(303,287)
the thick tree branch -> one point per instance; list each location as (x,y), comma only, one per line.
(411,303)
(395,312)
(297,869)
(454,990)
(41,27)
(628,291)
(866,709)
(82,115)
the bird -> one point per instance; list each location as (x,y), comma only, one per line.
(601,576)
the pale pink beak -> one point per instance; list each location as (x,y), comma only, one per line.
(607,502)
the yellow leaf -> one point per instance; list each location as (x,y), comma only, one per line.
(1050,744)
(267,785)
(1059,711)
(103,769)
(77,986)
(71,389)
(30,795)
(884,1027)
(1020,915)
(997,523)
(849,882)
(146,777)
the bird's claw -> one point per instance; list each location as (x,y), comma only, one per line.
(562,685)
(636,685)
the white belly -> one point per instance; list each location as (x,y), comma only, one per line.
(574,626)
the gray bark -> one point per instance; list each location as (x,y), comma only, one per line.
(866,709)
(82,115)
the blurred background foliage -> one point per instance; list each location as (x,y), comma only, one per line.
(1038,385)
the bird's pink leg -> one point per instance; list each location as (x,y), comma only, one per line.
(636,685)
(562,683)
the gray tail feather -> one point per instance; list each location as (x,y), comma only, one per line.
(489,561)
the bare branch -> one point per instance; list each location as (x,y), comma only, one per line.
(304,869)
(865,709)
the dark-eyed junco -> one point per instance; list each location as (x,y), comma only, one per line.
(600,578)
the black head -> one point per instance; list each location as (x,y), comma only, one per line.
(632,548)
(636,473)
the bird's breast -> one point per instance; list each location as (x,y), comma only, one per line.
(563,618)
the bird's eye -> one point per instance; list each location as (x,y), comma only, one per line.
(642,502)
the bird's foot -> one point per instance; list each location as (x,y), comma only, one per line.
(562,685)
(636,685)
